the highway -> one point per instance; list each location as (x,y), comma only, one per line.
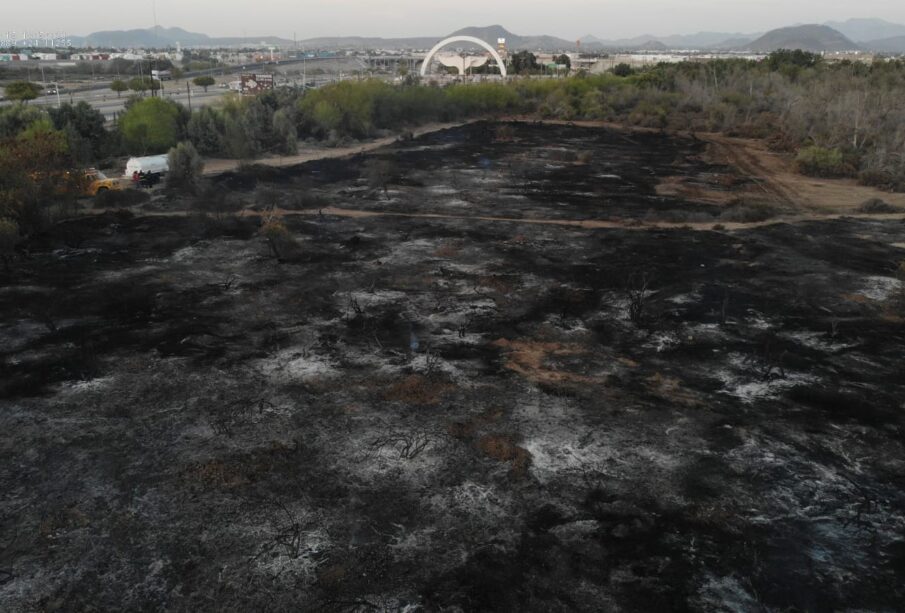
(100,96)
(107,102)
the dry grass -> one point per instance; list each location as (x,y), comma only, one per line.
(529,359)
(671,389)
(61,521)
(242,469)
(466,429)
(496,283)
(418,390)
(680,187)
(218,474)
(448,250)
(503,448)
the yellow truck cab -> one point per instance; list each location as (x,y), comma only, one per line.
(97,182)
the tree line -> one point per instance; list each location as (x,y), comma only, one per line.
(839,119)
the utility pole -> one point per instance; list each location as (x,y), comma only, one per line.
(188,90)
(43,81)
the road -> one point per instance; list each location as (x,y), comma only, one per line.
(107,102)
(100,96)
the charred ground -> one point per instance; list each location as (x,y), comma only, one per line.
(453,412)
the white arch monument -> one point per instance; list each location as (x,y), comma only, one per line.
(462,39)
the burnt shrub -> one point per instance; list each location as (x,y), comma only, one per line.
(282,243)
(748,212)
(216,201)
(115,199)
(876,206)
(679,216)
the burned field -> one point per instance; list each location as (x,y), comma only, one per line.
(428,413)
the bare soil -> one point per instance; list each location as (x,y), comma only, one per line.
(518,379)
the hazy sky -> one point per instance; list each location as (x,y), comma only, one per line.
(393,18)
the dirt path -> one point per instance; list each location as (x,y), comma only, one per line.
(589,224)
(772,172)
(216,166)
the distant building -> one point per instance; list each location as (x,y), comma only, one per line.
(45,57)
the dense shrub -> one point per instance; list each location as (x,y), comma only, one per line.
(823,162)
(185,167)
(152,125)
(884,179)
(281,242)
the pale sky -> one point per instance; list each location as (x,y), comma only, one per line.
(568,19)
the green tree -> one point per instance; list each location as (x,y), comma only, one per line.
(204,81)
(564,60)
(143,84)
(22,91)
(623,70)
(151,125)
(119,86)
(285,133)
(523,62)
(205,131)
(185,167)
(84,128)
(796,58)
(17,117)
(36,174)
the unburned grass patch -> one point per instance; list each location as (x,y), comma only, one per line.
(530,359)
(503,448)
(418,390)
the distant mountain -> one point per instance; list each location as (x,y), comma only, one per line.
(159,36)
(864,30)
(634,42)
(814,38)
(894,44)
(515,41)
(490,34)
(368,42)
(704,40)
(700,40)
(734,44)
(652,45)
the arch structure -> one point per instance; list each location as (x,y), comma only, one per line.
(462,39)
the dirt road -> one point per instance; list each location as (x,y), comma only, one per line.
(775,174)
(215,166)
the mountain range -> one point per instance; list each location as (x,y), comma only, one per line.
(867,34)
(159,36)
